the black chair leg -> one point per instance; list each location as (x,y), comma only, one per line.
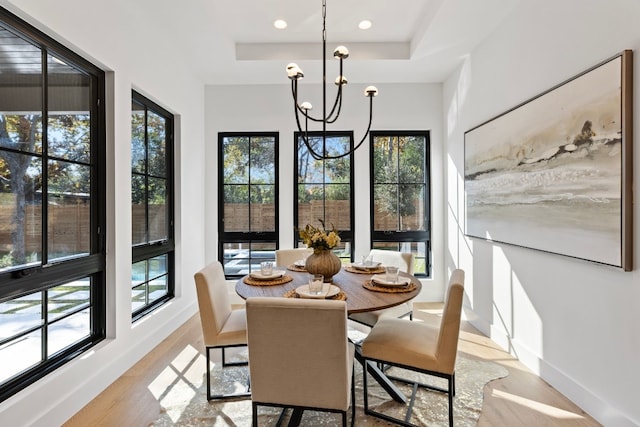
(254,414)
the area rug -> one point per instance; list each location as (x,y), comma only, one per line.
(184,403)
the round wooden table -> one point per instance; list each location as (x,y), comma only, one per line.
(359,299)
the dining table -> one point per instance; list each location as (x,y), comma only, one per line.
(355,287)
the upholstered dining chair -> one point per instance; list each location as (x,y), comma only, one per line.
(299,355)
(222,326)
(286,257)
(404,262)
(418,346)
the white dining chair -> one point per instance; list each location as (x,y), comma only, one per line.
(222,326)
(419,347)
(404,262)
(300,356)
(286,257)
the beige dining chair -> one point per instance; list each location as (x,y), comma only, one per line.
(286,257)
(222,326)
(404,262)
(420,347)
(299,355)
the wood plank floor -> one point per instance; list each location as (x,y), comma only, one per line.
(520,399)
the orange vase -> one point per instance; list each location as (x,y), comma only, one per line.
(325,263)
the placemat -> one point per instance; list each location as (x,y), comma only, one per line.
(340,296)
(256,282)
(368,284)
(294,267)
(360,271)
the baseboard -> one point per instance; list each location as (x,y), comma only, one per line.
(592,404)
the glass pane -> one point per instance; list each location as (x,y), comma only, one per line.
(157,134)
(385,207)
(236,208)
(157,209)
(263,161)
(20,314)
(69,127)
(158,288)
(157,267)
(138,210)
(385,159)
(242,258)
(412,159)
(21,100)
(411,207)
(69,209)
(20,354)
(139,296)
(138,149)
(235,151)
(68,331)
(338,206)
(263,208)
(310,204)
(310,171)
(138,273)
(69,297)
(20,210)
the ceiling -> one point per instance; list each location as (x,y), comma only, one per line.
(235,42)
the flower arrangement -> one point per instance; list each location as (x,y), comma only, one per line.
(318,238)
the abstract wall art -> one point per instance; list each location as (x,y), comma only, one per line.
(555,172)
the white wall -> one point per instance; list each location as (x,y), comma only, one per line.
(270,108)
(573,322)
(109,34)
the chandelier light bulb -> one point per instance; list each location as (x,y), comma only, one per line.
(341,52)
(371,91)
(306,106)
(341,80)
(294,72)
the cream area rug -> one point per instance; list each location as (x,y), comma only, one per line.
(183,401)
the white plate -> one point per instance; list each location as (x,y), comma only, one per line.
(300,263)
(381,279)
(361,266)
(259,276)
(328,290)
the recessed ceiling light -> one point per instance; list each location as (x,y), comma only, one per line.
(364,25)
(280,24)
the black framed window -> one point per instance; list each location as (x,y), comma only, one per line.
(152,207)
(400,195)
(248,202)
(324,188)
(52,205)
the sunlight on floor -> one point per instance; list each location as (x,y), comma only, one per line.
(178,383)
(547,410)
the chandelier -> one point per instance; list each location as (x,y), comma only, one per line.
(295,73)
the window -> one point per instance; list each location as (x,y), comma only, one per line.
(152,272)
(52,206)
(325,188)
(248,183)
(400,195)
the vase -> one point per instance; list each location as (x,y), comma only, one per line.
(323,262)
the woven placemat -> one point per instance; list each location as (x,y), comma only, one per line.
(368,284)
(340,296)
(361,271)
(294,267)
(256,282)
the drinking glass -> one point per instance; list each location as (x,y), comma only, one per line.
(266,268)
(315,284)
(392,274)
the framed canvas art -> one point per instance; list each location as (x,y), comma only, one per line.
(555,172)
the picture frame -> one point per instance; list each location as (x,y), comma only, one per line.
(554,173)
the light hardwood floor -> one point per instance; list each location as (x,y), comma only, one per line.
(520,399)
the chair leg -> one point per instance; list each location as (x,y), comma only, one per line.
(254,414)
(451,392)
(353,397)
(210,395)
